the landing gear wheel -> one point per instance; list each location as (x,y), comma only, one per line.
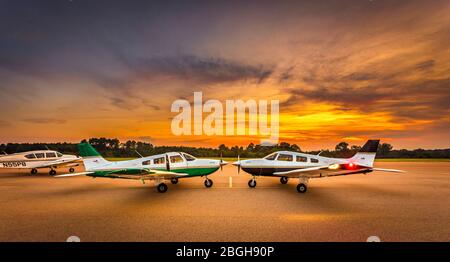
(71,170)
(301,188)
(208,182)
(283,180)
(162,188)
(174,180)
(252,183)
(34,171)
(52,172)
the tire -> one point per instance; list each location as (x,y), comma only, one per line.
(52,172)
(162,188)
(71,170)
(302,188)
(34,171)
(208,183)
(252,183)
(174,180)
(284,180)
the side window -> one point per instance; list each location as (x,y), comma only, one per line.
(189,157)
(30,156)
(50,155)
(313,160)
(159,161)
(40,155)
(176,159)
(146,163)
(301,159)
(271,157)
(284,157)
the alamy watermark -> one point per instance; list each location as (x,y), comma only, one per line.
(238,117)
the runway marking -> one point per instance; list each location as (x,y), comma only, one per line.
(230,182)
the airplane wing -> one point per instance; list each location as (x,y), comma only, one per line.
(321,171)
(388,170)
(60,162)
(131,173)
(75,174)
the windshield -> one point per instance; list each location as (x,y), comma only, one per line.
(271,156)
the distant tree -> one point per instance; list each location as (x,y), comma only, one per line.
(384,149)
(342,146)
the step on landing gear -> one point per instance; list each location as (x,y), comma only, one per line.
(174,180)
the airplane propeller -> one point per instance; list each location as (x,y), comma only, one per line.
(221,162)
(167,163)
(239,164)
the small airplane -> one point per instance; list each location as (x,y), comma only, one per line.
(286,164)
(39,159)
(158,168)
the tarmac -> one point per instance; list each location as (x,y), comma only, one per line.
(411,206)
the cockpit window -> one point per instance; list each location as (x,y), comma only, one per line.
(159,161)
(284,157)
(176,159)
(59,154)
(30,156)
(40,155)
(271,156)
(188,157)
(50,155)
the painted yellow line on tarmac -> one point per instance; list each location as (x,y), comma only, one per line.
(230,182)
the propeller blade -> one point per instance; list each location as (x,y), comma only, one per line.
(239,162)
(221,162)
(167,163)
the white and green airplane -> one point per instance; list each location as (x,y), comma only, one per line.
(158,168)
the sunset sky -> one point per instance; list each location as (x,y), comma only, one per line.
(342,70)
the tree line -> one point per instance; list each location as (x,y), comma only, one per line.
(112,147)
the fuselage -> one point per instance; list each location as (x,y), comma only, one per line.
(35,159)
(179,162)
(282,161)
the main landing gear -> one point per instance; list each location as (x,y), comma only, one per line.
(284,180)
(52,172)
(71,170)
(252,183)
(208,182)
(174,180)
(34,171)
(302,186)
(162,188)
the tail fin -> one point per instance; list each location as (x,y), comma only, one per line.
(366,156)
(91,158)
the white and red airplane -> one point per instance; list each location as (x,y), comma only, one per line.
(39,159)
(286,164)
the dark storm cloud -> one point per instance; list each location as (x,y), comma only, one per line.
(199,69)
(44,120)
(425,65)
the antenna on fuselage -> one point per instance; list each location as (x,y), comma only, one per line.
(137,152)
(47,148)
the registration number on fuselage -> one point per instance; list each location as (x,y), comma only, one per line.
(14,164)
